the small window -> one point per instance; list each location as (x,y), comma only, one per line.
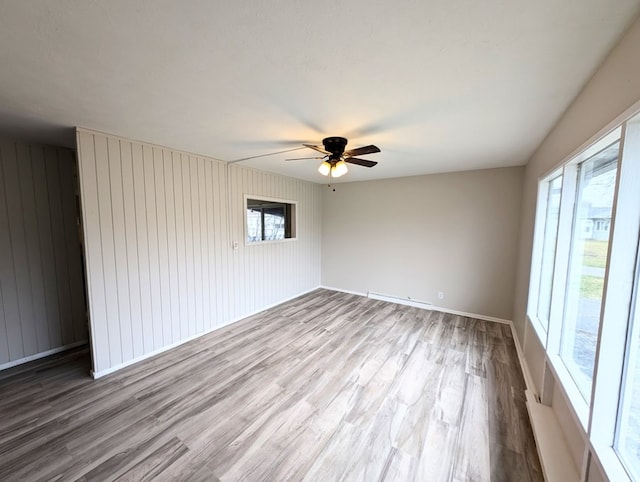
(269,219)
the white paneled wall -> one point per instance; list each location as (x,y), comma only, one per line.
(159,230)
(42,307)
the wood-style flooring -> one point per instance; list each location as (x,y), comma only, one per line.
(329,386)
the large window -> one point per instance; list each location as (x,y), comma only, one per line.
(587,263)
(584,294)
(269,219)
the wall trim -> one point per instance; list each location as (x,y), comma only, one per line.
(425,305)
(102,373)
(42,354)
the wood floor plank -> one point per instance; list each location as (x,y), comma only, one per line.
(328,386)
(472,459)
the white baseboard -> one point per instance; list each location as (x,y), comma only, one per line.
(340,290)
(102,373)
(43,354)
(419,304)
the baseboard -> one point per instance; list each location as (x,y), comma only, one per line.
(340,290)
(419,304)
(120,366)
(524,366)
(43,354)
(401,301)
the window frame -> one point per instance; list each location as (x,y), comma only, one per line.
(294,220)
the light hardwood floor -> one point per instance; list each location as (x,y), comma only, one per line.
(329,386)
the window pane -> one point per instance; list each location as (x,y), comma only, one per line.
(274,223)
(587,262)
(628,433)
(270,220)
(254,224)
(549,249)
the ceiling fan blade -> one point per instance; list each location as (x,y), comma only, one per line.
(303,158)
(358,151)
(360,162)
(316,148)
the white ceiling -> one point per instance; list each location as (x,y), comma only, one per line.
(438,85)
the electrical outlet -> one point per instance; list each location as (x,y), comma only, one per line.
(235,245)
(441,295)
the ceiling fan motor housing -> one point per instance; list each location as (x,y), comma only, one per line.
(335,145)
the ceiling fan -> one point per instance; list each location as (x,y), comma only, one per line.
(336,158)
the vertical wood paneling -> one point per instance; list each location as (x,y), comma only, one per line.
(18,241)
(52,168)
(197,249)
(188,232)
(108,249)
(40,334)
(222,251)
(172,248)
(204,243)
(163,250)
(143,247)
(4,346)
(13,328)
(68,188)
(93,251)
(212,316)
(122,302)
(131,236)
(172,223)
(274,271)
(40,301)
(181,247)
(152,239)
(45,236)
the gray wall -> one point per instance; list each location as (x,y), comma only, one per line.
(41,290)
(412,237)
(159,227)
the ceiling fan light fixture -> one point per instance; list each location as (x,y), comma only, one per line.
(324,168)
(339,169)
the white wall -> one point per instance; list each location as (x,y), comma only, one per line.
(159,226)
(41,291)
(413,237)
(614,88)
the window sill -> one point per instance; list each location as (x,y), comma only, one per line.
(273,241)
